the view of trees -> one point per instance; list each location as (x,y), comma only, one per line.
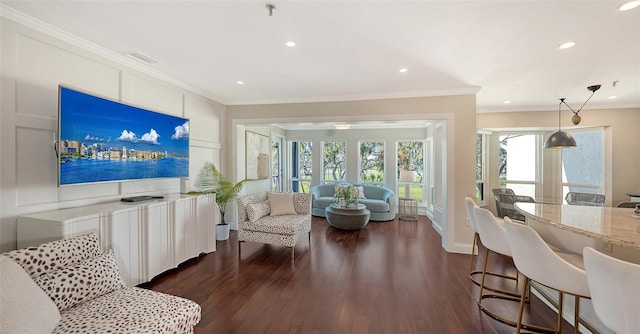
(502,155)
(411,158)
(335,161)
(305,159)
(372,162)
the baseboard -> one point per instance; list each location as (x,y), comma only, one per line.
(460,248)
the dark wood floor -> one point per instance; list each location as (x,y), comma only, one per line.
(391,277)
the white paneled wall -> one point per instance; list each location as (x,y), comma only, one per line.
(33,64)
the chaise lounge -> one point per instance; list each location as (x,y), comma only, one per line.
(380,201)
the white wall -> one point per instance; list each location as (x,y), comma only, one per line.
(33,64)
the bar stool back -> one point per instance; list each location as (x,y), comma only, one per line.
(538,262)
(615,290)
(494,239)
(470,204)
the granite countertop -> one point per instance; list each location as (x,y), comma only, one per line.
(615,225)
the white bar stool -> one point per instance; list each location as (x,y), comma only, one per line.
(469,205)
(494,238)
(615,290)
(556,270)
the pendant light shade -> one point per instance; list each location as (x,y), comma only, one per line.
(560,139)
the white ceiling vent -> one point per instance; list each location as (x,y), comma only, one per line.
(140,56)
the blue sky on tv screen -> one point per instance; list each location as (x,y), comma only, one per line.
(90,119)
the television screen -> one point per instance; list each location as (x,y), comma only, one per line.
(101,140)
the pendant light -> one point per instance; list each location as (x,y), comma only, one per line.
(560,139)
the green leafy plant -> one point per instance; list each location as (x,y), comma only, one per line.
(211,180)
(346,195)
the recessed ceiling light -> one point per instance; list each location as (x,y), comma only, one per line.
(403,70)
(240,82)
(291,44)
(567,45)
(629,5)
(506,102)
(612,97)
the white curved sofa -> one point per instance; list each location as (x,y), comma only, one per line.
(380,201)
(71,286)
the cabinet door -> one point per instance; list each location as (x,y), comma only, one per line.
(35,231)
(125,240)
(185,232)
(206,223)
(158,249)
(84,226)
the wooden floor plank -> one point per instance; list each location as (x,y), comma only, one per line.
(391,277)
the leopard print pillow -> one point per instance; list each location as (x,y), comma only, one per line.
(54,255)
(258,210)
(84,281)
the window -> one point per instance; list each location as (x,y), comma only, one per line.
(411,173)
(480,163)
(372,162)
(518,163)
(301,166)
(276,163)
(583,166)
(334,162)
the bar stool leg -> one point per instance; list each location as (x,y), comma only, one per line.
(560,303)
(576,316)
(473,252)
(522,301)
(484,274)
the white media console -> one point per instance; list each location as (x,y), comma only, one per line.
(147,237)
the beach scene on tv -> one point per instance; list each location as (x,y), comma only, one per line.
(103,140)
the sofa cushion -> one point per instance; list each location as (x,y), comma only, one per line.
(287,224)
(245,200)
(281,204)
(24,307)
(375,205)
(83,281)
(131,310)
(323,202)
(51,256)
(258,210)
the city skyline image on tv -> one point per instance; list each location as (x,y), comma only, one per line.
(103,140)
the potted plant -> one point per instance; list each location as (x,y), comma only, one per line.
(346,195)
(211,180)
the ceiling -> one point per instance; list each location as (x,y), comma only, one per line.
(345,50)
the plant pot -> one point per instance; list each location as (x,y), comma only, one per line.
(222,232)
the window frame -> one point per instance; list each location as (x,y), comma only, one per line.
(538,150)
(483,167)
(384,163)
(322,163)
(600,188)
(409,185)
(299,179)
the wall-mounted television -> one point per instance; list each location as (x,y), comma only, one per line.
(101,140)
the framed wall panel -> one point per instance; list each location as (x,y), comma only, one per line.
(257,156)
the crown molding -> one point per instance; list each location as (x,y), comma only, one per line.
(55,32)
(595,106)
(361,97)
